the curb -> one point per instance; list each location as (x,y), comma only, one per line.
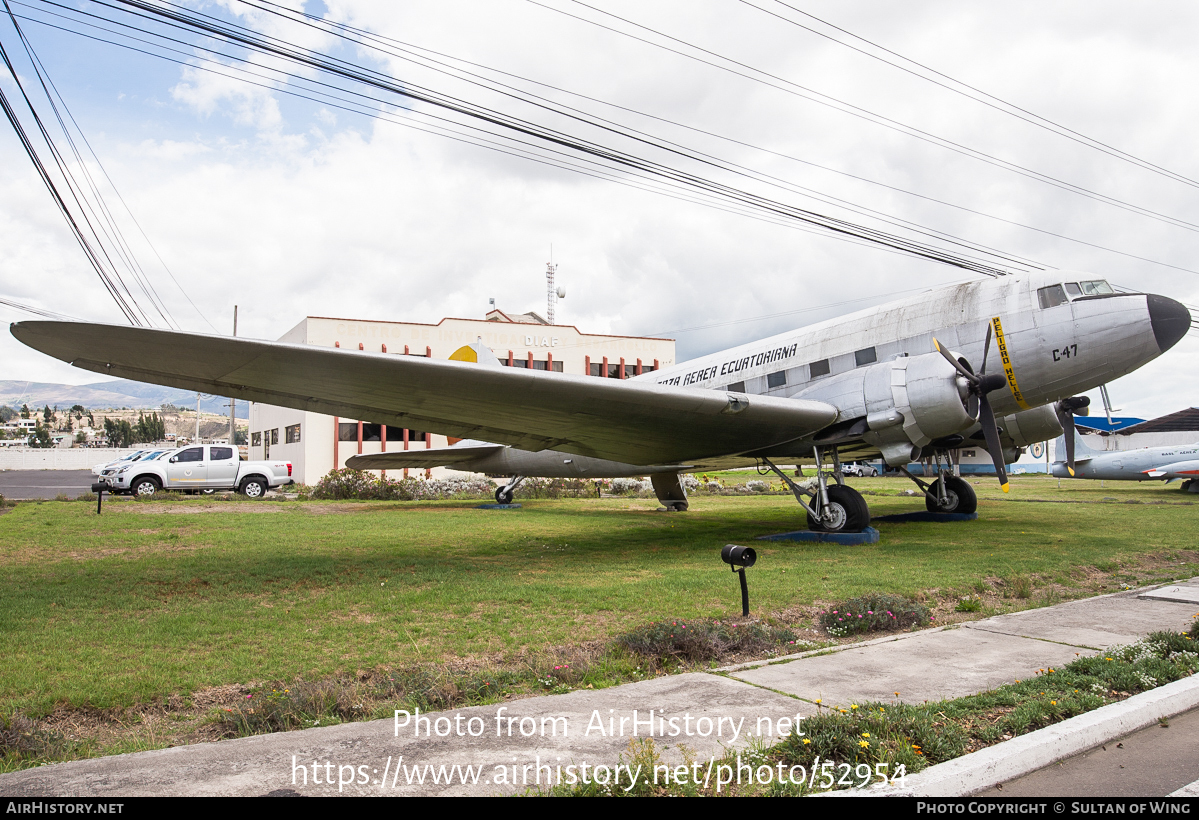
(1023,755)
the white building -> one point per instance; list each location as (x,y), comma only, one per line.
(316,443)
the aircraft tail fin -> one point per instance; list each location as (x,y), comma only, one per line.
(1081,451)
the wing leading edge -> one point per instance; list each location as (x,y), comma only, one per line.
(632,422)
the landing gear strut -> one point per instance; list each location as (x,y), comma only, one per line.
(949,493)
(836,508)
(503,495)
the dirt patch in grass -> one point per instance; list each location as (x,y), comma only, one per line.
(187,508)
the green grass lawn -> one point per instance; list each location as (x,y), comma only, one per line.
(165,598)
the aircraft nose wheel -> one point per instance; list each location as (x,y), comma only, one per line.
(959,497)
(846,512)
(503,496)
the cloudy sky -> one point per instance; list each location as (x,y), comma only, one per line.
(289,207)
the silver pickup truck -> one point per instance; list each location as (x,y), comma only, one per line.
(207,467)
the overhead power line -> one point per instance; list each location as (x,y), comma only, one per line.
(186,20)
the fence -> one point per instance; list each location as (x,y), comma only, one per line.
(54,458)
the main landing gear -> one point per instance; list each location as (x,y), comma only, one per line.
(833,508)
(949,493)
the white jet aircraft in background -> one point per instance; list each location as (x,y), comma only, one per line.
(1146,464)
(998,360)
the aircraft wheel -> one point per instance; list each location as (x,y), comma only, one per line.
(959,496)
(503,496)
(849,511)
(1190,486)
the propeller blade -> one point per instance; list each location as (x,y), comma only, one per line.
(1065,415)
(986,417)
(986,350)
(970,377)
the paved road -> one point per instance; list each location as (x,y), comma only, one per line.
(27,484)
(1153,762)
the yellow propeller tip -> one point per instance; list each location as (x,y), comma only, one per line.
(1004,487)
(1071,472)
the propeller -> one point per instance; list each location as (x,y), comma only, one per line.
(1066,408)
(980,385)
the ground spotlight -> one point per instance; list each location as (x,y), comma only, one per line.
(740,559)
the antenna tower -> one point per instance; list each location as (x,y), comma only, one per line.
(550,293)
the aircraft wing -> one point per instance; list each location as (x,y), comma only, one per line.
(635,422)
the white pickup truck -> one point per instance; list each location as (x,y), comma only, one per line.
(207,467)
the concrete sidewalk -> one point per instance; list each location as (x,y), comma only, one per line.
(691,717)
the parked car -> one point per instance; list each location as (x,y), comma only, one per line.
(137,455)
(202,468)
(860,469)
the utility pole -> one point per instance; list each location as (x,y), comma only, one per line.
(197,441)
(233,402)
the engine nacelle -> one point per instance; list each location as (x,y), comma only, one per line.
(1030,426)
(907,402)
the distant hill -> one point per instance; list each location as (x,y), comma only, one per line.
(118,393)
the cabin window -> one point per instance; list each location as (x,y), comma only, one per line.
(1051,296)
(819,368)
(776,379)
(1073,290)
(293,434)
(736,387)
(221,453)
(865,356)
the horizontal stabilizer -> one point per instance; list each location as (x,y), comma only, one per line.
(423,459)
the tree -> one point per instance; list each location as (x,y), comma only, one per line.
(47,415)
(40,437)
(24,411)
(7,414)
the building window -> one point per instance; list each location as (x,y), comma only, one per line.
(776,379)
(736,387)
(347,431)
(820,368)
(275,436)
(865,356)
(520,362)
(292,434)
(595,368)
(416,435)
(557,367)
(371,432)
(255,439)
(538,365)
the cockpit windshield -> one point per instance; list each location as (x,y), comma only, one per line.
(1055,295)
(1096,287)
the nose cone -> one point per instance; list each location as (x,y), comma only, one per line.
(1170,321)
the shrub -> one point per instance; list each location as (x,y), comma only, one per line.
(702,640)
(556,488)
(877,612)
(340,485)
(969,605)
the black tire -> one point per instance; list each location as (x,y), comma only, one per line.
(253,488)
(144,486)
(851,513)
(959,493)
(502,496)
